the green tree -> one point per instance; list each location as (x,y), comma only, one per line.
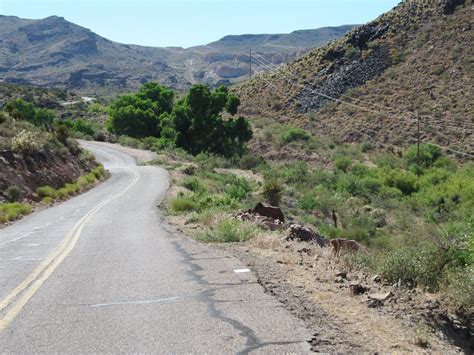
(138,115)
(200,127)
(20,109)
(43,117)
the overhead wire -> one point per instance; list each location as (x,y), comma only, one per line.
(268,65)
(262,61)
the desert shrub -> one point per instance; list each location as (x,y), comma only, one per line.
(370,186)
(61,193)
(26,142)
(47,200)
(46,191)
(294,134)
(405,181)
(343,163)
(273,191)
(387,193)
(90,178)
(351,184)
(129,141)
(99,172)
(82,182)
(72,189)
(366,147)
(308,202)
(413,265)
(229,230)
(3,117)
(249,161)
(295,172)
(99,136)
(184,204)
(13,193)
(193,184)
(84,127)
(236,187)
(429,154)
(458,286)
(12,211)
(62,132)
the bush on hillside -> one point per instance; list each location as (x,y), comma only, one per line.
(294,134)
(429,154)
(26,142)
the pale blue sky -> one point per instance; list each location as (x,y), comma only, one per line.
(192,22)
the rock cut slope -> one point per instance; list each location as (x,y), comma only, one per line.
(416,58)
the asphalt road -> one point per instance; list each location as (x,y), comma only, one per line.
(101,273)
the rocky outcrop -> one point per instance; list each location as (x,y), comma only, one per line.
(262,221)
(343,76)
(40,169)
(265,210)
(301,233)
(448,6)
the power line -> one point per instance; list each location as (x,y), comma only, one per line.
(463,130)
(353,129)
(261,62)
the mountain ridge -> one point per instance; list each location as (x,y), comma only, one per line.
(57,53)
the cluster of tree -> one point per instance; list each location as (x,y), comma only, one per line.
(195,122)
(20,109)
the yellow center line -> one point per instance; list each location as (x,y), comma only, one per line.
(33,282)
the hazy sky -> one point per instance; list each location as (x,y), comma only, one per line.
(192,22)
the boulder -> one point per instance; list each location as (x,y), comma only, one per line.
(265,222)
(265,210)
(303,234)
(357,289)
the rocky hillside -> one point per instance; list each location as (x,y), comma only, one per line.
(371,84)
(56,53)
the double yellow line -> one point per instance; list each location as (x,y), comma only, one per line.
(33,282)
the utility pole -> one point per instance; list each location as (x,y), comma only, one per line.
(250,63)
(418,141)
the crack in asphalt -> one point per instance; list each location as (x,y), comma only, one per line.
(252,341)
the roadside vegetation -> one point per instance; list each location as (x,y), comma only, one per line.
(413,214)
(49,194)
(9,211)
(13,209)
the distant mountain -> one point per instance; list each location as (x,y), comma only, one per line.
(294,41)
(56,53)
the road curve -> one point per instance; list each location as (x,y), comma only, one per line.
(101,273)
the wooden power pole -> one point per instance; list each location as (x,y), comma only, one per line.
(418,142)
(250,63)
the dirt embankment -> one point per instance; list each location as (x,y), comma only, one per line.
(316,287)
(45,168)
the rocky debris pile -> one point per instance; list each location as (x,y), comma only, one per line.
(266,216)
(263,221)
(272,218)
(303,234)
(342,76)
(265,210)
